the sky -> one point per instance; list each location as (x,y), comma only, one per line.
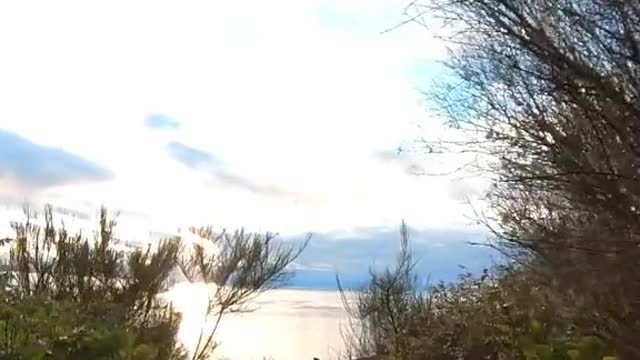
(281,115)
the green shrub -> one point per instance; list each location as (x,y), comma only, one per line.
(64,296)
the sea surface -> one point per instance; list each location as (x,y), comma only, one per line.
(285,324)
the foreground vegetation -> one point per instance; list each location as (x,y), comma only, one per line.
(506,313)
(546,93)
(65,296)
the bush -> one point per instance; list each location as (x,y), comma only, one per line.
(63,296)
(502,314)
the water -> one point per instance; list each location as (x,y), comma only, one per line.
(287,324)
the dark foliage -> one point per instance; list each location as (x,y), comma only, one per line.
(547,94)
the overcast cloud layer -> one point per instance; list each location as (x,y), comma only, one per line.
(280,115)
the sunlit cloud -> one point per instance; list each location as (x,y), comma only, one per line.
(283,107)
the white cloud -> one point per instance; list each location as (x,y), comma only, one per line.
(262,85)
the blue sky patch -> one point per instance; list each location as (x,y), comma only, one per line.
(161,122)
(333,19)
(425,72)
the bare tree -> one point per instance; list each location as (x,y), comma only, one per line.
(237,267)
(549,90)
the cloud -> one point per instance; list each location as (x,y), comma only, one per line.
(197,159)
(399,157)
(161,122)
(466,189)
(191,157)
(39,166)
(314,129)
(440,255)
(235,180)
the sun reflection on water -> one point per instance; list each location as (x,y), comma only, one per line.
(287,324)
